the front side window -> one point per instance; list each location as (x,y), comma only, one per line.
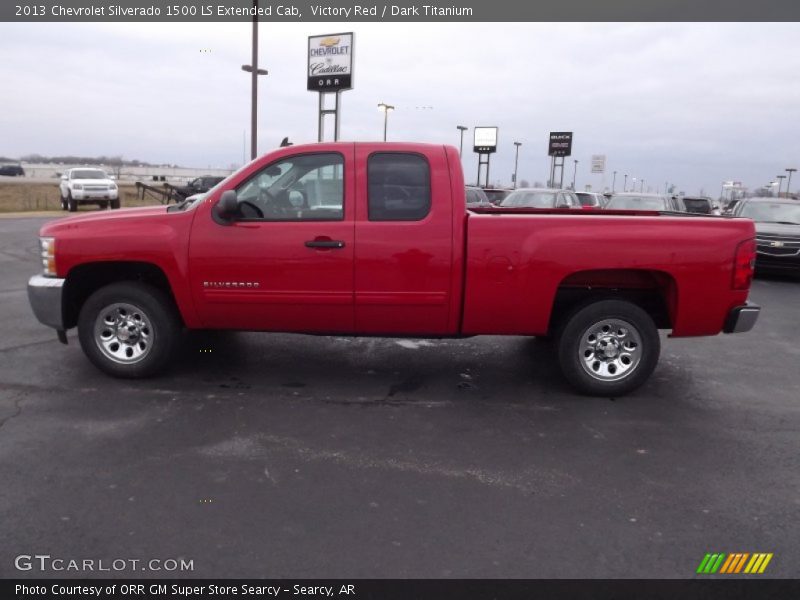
(307,187)
(399,187)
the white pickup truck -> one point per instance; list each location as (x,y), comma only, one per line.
(86,185)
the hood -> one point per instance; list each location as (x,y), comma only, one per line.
(109,217)
(778,229)
(93,181)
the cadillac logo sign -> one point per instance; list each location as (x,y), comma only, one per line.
(776,244)
(330,62)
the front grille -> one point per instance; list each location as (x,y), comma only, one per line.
(96,188)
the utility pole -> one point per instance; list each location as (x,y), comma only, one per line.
(516,163)
(574,174)
(625,186)
(789,181)
(462,129)
(614,182)
(780,183)
(385,108)
(254,72)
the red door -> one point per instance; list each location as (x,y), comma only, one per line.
(286,262)
(404,238)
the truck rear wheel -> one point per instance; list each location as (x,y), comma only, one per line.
(115,203)
(128,329)
(608,348)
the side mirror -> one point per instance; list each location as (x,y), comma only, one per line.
(226,207)
(112,177)
(63,178)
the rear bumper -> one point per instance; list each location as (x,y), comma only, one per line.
(742,318)
(44,294)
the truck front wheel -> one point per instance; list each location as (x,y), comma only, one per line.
(128,329)
(608,348)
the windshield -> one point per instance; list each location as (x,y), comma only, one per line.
(530,199)
(772,212)
(587,199)
(88,174)
(636,203)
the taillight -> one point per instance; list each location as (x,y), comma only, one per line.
(744,265)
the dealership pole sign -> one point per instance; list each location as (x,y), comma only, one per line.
(598,163)
(330,70)
(484,145)
(560,143)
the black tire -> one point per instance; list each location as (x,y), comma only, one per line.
(102,205)
(63,202)
(160,334)
(595,342)
(115,203)
(72,204)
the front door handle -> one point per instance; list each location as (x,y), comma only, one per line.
(329,244)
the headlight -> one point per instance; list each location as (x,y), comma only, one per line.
(77,186)
(48,251)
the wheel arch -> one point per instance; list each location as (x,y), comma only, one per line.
(654,291)
(83,280)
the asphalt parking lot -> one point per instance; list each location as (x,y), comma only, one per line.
(265,455)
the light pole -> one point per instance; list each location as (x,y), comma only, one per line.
(625,185)
(385,108)
(614,182)
(633,184)
(780,183)
(255,72)
(641,187)
(789,181)
(574,173)
(516,163)
(462,129)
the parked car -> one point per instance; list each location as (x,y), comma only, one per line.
(702,205)
(199,185)
(12,171)
(777,232)
(590,200)
(642,201)
(496,195)
(477,198)
(395,253)
(85,185)
(541,198)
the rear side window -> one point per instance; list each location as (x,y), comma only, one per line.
(399,187)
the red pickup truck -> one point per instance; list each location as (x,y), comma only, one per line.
(373,239)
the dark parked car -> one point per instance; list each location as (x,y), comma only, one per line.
(777,232)
(477,198)
(541,198)
(640,201)
(198,186)
(702,205)
(12,170)
(496,195)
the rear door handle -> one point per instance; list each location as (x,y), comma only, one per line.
(332,244)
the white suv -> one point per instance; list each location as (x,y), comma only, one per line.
(87,185)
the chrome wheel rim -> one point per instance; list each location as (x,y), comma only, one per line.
(123,333)
(610,350)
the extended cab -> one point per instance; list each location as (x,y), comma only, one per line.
(374,239)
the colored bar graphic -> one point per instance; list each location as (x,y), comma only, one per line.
(727,564)
(718,563)
(734,563)
(741,562)
(765,563)
(703,563)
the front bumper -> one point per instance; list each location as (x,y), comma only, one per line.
(742,318)
(44,294)
(89,195)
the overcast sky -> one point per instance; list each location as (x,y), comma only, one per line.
(693,104)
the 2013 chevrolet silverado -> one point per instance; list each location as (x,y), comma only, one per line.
(373,239)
